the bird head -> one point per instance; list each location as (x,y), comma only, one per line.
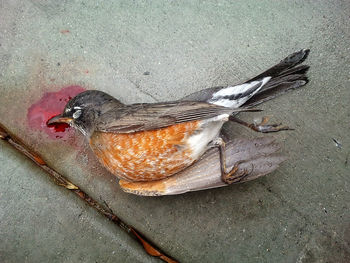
(82,110)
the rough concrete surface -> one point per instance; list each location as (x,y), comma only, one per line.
(300,213)
(41,223)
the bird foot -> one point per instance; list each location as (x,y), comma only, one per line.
(235,176)
(266,128)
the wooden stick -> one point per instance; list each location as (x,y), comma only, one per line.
(63,181)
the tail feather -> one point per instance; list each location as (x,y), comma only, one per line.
(274,92)
(288,74)
(234,97)
(301,69)
(285,64)
(297,73)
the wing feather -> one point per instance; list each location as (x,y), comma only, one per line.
(141,117)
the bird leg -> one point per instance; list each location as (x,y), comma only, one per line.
(233,176)
(262,126)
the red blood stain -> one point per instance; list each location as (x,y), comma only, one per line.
(50,105)
(58,127)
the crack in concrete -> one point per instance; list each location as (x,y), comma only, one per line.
(137,86)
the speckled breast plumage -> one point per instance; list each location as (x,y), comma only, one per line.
(146,155)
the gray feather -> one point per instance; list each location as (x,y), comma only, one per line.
(141,117)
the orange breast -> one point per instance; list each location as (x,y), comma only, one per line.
(146,155)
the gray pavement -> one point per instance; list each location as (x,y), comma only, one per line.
(300,213)
(42,223)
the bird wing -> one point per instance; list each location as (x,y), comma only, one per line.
(142,117)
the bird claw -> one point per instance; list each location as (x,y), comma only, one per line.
(266,128)
(234,176)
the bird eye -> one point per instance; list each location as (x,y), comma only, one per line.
(76,114)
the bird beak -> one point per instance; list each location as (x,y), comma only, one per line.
(60,119)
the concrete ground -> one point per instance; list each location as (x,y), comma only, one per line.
(300,213)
